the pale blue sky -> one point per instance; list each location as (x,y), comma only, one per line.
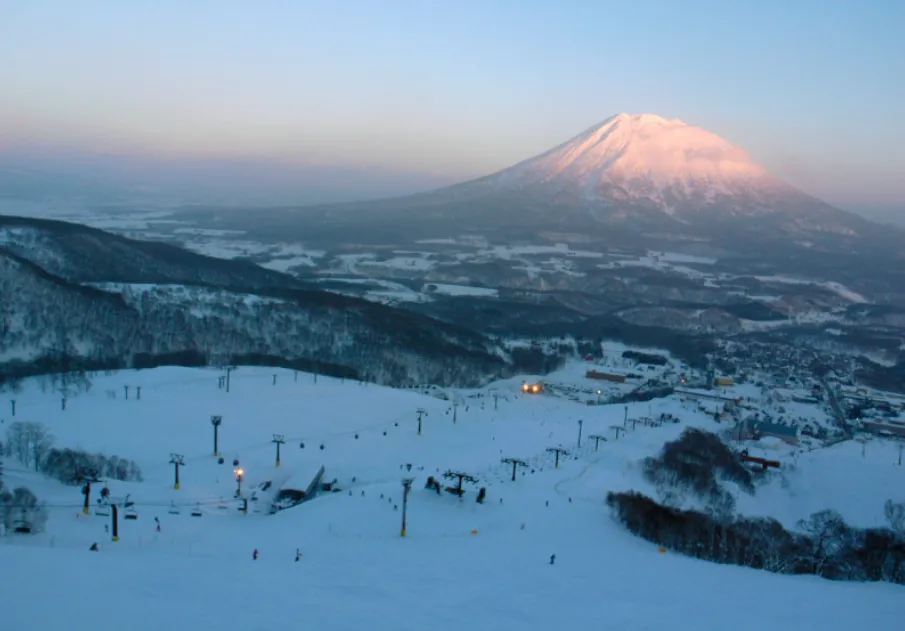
(814,89)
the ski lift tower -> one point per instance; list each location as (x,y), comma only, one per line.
(421,412)
(216,421)
(406,488)
(177,460)
(557,451)
(88,477)
(460,477)
(516,463)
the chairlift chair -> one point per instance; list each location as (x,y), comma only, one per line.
(102,510)
(196,512)
(173,510)
(130,512)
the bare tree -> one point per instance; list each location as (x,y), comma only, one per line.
(16,446)
(28,442)
(830,537)
(895,514)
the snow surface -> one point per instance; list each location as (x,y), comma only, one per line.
(462,565)
(664,262)
(420,262)
(838,288)
(460,290)
(839,478)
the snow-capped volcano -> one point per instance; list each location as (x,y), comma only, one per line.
(644,158)
(632,178)
(634,164)
(640,155)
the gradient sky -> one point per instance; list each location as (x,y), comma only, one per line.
(434,91)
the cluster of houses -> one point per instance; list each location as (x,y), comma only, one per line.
(881,413)
(781,366)
(786,375)
(756,429)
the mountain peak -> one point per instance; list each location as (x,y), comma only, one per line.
(641,119)
(645,148)
(658,161)
(645,170)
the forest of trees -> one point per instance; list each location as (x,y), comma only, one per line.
(32,445)
(695,465)
(59,327)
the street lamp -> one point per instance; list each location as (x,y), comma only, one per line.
(598,397)
(406,487)
(239,473)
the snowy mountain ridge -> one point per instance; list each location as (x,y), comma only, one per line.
(85,297)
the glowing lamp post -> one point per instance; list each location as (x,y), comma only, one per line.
(239,473)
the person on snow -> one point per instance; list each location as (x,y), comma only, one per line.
(254,555)
(298,555)
(552,559)
(93,547)
(157,521)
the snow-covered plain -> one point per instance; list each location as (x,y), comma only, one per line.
(460,290)
(461,565)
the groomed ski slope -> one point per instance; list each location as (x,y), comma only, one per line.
(461,566)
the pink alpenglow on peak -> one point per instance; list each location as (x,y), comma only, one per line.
(644,149)
(632,169)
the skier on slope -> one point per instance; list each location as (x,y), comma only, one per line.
(254,555)
(298,555)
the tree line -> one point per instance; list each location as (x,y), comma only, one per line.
(32,445)
(826,546)
(695,466)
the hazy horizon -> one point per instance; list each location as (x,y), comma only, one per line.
(303,102)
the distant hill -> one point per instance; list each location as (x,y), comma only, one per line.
(76,297)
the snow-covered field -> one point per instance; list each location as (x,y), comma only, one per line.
(837,288)
(460,290)
(461,565)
